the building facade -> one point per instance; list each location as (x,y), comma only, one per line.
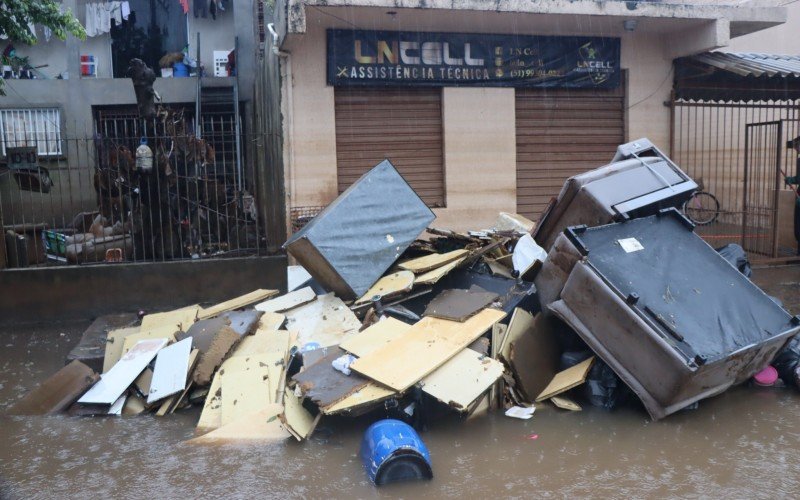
(482,106)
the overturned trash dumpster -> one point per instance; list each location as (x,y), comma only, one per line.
(670,315)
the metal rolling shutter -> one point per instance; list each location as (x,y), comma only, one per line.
(401,125)
(561,133)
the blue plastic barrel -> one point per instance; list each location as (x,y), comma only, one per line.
(180,70)
(392,451)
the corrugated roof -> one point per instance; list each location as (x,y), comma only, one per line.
(752,64)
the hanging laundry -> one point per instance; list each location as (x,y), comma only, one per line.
(185,6)
(90,25)
(200,8)
(126,10)
(115,12)
(213,9)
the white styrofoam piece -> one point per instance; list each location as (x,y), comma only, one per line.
(116,408)
(114,382)
(169,374)
(526,252)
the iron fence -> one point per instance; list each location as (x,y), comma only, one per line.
(738,153)
(98,201)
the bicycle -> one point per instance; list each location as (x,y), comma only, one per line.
(702,207)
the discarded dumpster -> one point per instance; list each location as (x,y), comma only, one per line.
(666,312)
(640,181)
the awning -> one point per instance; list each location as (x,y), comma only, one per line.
(722,76)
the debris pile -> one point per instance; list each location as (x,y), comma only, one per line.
(620,299)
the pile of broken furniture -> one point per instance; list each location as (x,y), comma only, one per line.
(625,298)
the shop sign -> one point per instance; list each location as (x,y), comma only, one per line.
(397,58)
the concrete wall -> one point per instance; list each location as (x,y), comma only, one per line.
(479,129)
(781,39)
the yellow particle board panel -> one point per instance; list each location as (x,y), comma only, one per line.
(432,261)
(170,321)
(434,275)
(565,403)
(295,418)
(426,346)
(237,303)
(261,343)
(463,379)
(369,394)
(520,324)
(115,341)
(287,301)
(131,340)
(211,416)
(271,321)
(374,337)
(389,286)
(263,425)
(245,387)
(566,380)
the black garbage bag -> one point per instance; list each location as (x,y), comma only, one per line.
(572,358)
(788,361)
(603,388)
(737,257)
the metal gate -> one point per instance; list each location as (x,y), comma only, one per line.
(762,180)
(737,153)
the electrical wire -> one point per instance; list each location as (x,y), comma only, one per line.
(669,73)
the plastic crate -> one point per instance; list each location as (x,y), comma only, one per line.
(55,245)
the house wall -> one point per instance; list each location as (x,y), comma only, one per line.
(782,39)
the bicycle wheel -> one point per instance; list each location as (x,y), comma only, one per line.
(702,208)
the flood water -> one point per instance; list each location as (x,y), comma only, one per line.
(742,444)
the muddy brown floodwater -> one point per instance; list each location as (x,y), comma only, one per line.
(742,444)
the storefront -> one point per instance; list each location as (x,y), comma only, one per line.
(480,111)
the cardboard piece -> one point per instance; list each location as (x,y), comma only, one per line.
(432,261)
(355,239)
(533,354)
(287,301)
(326,321)
(565,380)
(426,346)
(389,286)
(58,392)
(377,335)
(169,373)
(463,379)
(236,303)
(121,375)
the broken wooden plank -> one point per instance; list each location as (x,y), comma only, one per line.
(115,342)
(113,383)
(389,286)
(169,373)
(533,356)
(288,301)
(434,275)
(361,400)
(458,305)
(463,379)
(143,381)
(211,416)
(520,324)
(237,303)
(426,346)
(263,425)
(245,387)
(565,380)
(324,385)
(296,419)
(271,321)
(326,321)
(374,337)
(565,403)
(428,262)
(170,321)
(58,392)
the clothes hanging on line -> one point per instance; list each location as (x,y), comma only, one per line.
(100,14)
